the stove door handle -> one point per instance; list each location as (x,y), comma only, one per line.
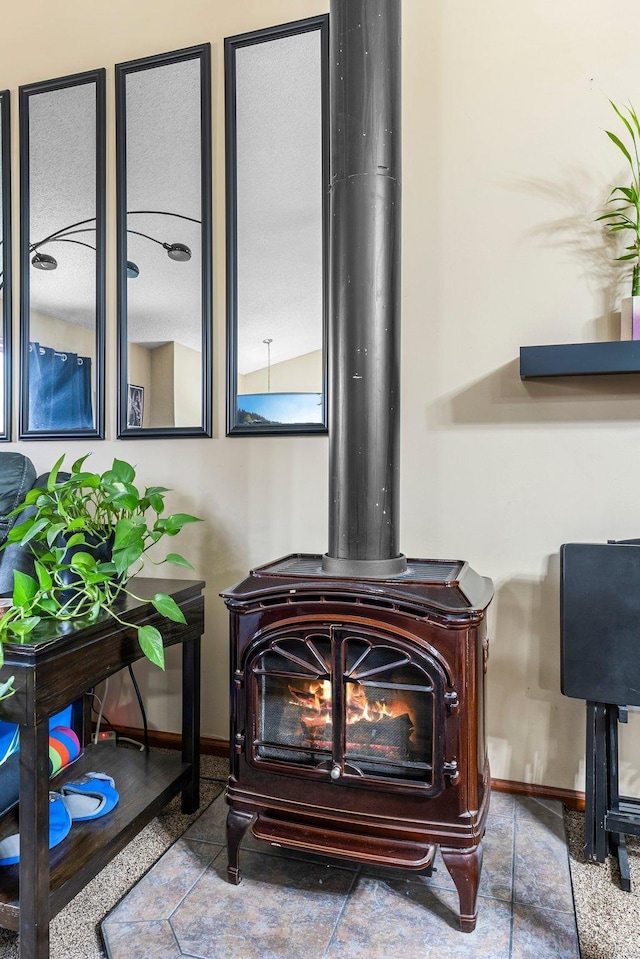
(451,771)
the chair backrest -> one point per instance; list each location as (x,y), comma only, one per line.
(17,477)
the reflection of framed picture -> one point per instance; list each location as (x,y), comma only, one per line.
(135,404)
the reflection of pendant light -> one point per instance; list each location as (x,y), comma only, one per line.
(42,261)
(268,342)
(178,252)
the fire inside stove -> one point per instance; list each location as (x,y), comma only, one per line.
(376,727)
(373,714)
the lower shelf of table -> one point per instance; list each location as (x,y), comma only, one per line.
(145,784)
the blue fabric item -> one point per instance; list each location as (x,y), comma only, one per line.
(8,730)
(91,797)
(59,389)
(59,828)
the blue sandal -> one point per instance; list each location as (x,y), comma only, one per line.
(59,828)
(91,797)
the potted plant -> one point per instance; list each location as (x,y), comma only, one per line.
(88,533)
(625,218)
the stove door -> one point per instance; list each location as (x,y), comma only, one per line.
(348,703)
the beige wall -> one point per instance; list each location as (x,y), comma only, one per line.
(505,168)
(302,374)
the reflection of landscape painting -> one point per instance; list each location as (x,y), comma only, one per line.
(279,408)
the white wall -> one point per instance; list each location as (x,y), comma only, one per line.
(302,374)
(505,167)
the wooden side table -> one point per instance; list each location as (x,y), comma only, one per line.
(54,668)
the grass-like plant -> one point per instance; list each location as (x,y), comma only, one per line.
(88,534)
(626,216)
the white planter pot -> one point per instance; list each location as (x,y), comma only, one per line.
(630,318)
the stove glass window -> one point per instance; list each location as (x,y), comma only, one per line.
(338,699)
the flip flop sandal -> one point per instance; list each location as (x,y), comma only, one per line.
(91,797)
(59,828)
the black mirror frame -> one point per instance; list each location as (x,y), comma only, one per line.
(232,44)
(203,52)
(7,286)
(25,92)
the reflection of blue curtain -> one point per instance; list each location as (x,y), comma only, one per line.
(59,390)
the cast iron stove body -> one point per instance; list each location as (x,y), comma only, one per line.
(358,716)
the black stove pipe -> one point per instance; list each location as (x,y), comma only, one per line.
(364,298)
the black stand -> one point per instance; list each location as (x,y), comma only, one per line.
(608,817)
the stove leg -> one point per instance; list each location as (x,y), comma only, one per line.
(464,867)
(237,823)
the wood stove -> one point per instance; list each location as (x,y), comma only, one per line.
(358,716)
(357,699)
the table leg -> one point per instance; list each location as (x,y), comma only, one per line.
(191,722)
(596,782)
(34,841)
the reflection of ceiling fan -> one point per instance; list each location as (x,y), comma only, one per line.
(179,252)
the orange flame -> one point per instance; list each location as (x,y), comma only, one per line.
(315,699)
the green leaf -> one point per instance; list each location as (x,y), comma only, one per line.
(44,577)
(124,558)
(174,523)
(77,466)
(623,118)
(156,502)
(124,471)
(80,561)
(168,607)
(36,528)
(618,142)
(24,588)
(22,627)
(53,532)
(177,560)
(53,475)
(151,644)
(6,688)
(127,533)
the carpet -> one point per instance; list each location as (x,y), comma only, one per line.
(608,919)
(75,930)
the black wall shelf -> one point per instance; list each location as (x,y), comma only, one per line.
(580,359)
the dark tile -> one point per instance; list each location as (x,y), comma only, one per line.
(283,908)
(544,934)
(387,917)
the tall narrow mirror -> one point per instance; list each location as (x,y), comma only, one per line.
(5,266)
(277,206)
(163,136)
(62,205)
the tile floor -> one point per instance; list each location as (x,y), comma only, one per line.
(291,906)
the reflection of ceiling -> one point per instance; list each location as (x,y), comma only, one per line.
(163,173)
(279,174)
(62,186)
(279,200)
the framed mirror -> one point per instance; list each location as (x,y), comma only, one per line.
(5,266)
(277,143)
(163,143)
(62,267)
